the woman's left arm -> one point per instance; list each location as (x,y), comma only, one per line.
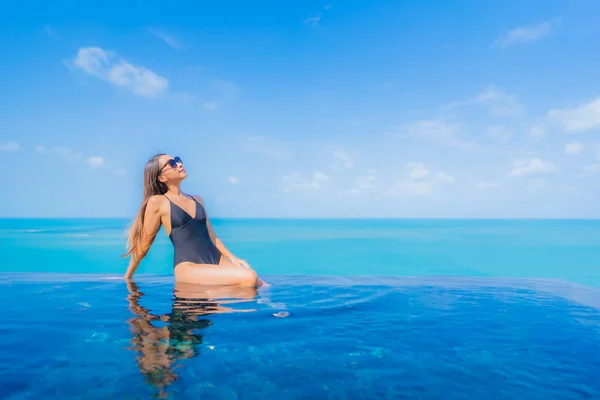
(218,241)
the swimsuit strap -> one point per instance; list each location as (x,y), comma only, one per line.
(184,194)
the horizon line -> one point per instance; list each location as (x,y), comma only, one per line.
(321,218)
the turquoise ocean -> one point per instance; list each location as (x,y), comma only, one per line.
(556,249)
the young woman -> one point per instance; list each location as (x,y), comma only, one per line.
(200,257)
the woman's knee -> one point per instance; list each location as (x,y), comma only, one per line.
(249,278)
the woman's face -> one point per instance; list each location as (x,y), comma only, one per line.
(171,169)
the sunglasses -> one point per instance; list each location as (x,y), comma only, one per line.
(172,163)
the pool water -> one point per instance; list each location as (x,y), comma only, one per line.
(305,337)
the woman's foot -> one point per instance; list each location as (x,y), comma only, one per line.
(261,283)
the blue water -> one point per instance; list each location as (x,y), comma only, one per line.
(560,249)
(304,338)
(359,309)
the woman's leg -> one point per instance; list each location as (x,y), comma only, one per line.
(259,282)
(221,275)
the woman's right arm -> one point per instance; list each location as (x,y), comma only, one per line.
(150,229)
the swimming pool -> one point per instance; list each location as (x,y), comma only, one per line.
(306,337)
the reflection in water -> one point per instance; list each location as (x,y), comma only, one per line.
(161,340)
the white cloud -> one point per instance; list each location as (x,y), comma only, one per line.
(420,181)
(345,162)
(95,162)
(320,177)
(440,131)
(165,37)
(444,177)
(364,182)
(499,133)
(62,152)
(532,167)
(592,168)
(113,69)
(436,131)
(314,21)
(526,34)
(233,180)
(499,103)
(537,131)
(11,145)
(298,182)
(210,105)
(418,171)
(260,145)
(583,118)
(486,185)
(49,31)
(226,89)
(409,188)
(573,148)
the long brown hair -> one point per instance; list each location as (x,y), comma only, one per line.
(138,243)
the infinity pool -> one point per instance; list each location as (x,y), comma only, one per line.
(97,337)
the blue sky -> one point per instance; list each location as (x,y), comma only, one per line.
(308,109)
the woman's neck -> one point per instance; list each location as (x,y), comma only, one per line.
(174,190)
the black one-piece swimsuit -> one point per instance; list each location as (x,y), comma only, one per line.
(190,236)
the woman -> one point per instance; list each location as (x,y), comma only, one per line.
(200,257)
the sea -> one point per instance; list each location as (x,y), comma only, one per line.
(357,309)
(557,249)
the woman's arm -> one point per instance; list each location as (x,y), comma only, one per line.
(150,228)
(222,247)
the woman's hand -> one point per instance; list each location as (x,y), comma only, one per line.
(244,263)
(239,262)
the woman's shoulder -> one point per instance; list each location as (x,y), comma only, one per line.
(196,197)
(157,201)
